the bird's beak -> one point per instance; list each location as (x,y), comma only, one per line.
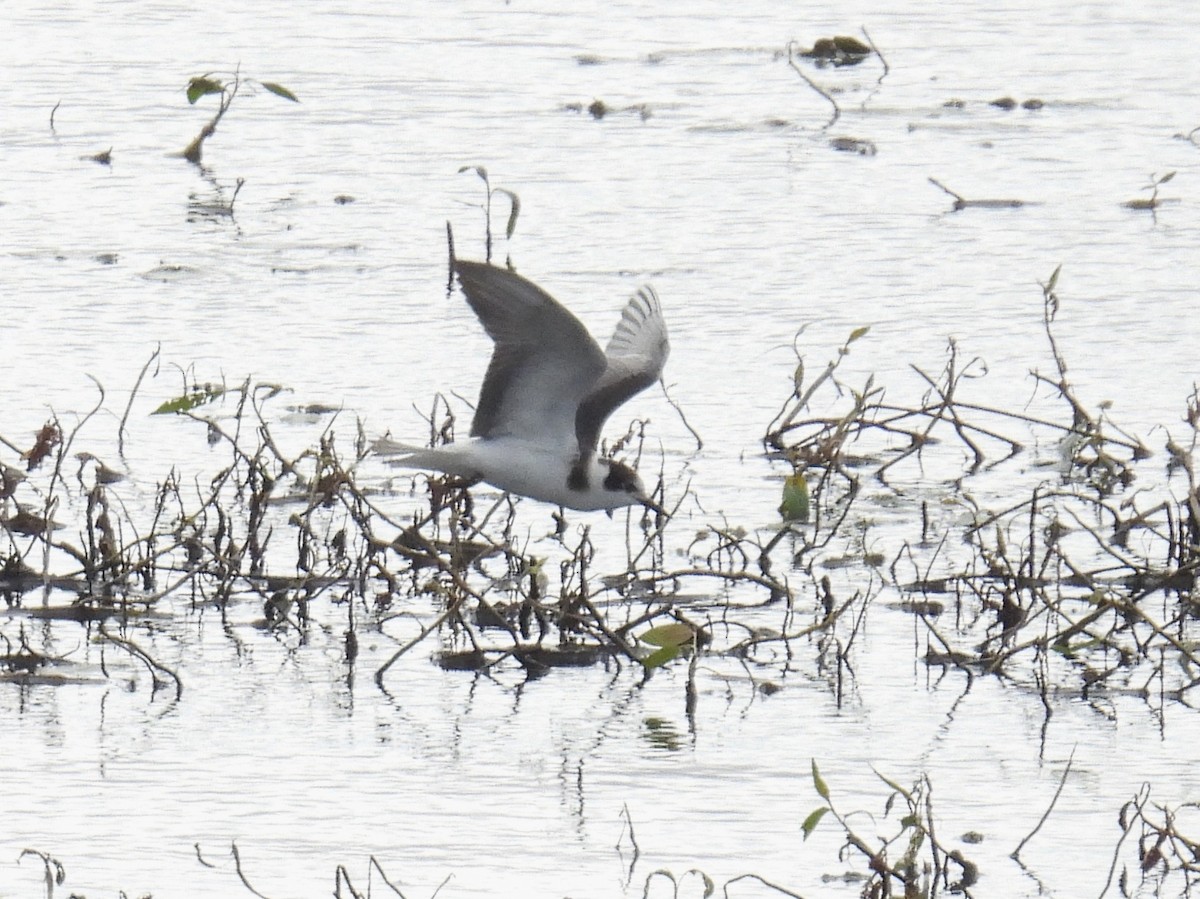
(652,505)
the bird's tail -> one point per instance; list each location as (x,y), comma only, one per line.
(386,446)
(449,458)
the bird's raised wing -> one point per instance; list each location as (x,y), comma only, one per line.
(634,358)
(544,362)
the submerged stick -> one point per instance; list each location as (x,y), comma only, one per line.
(1015,855)
(237,864)
(882,59)
(151,663)
(774,886)
(837,111)
(963,203)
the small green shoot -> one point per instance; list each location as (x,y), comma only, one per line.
(814,817)
(896,862)
(1152,202)
(513,212)
(226,88)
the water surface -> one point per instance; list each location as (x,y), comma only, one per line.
(713,178)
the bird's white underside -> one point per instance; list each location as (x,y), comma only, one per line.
(517,466)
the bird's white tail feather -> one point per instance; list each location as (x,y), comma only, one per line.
(386,446)
(451,458)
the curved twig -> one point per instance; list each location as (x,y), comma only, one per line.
(816,87)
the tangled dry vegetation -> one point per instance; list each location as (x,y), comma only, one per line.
(1077,577)
(289,531)
(1082,581)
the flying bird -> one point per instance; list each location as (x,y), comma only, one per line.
(548,391)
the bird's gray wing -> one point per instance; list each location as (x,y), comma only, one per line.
(544,362)
(635,357)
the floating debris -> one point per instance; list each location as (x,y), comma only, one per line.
(963,203)
(841,50)
(30,523)
(1152,202)
(171,272)
(861,146)
(103,474)
(10,478)
(1005,103)
(598,109)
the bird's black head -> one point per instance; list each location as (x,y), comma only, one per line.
(622,479)
(625,488)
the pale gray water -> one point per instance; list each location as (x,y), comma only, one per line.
(729,199)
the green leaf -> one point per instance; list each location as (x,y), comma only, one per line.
(813,819)
(798,377)
(660,657)
(671,635)
(891,783)
(1053,278)
(197,397)
(514,211)
(858,333)
(202,85)
(918,840)
(1063,648)
(477,169)
(795,505)
(280,91)
(819,782)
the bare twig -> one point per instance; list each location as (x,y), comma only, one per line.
(882,59)
(54,873)
(1137,803)
(132,395)
(683,418)
(816,87)
(151,664)
(237,863)
(1015,855)
(773,886)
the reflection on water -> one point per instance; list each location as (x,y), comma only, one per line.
(724,194)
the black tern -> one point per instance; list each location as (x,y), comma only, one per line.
(548,391)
